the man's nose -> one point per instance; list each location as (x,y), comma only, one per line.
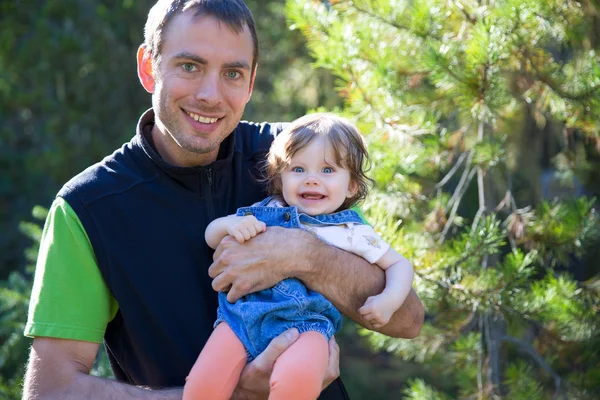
(209,90)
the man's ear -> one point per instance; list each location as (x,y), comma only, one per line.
(144,68)
(252,83)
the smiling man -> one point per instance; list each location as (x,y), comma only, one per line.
(123,258)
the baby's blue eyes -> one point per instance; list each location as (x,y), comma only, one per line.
(325,170)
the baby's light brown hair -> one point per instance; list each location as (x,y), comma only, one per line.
(348,146)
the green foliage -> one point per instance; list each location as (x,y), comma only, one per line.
(521,380)
(419,390)
(14,303)
(441,89)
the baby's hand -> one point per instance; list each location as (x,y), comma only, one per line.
(245,228)
(378,310)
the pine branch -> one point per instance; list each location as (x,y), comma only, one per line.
(393,24)
(527,348)
(450,173)
(493,345)
(462,9)
(459,192)
(381,118)
(480,361)
(552,84)
(480,184)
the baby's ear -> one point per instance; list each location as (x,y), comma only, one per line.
(352,189)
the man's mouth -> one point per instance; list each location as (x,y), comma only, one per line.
(201,119)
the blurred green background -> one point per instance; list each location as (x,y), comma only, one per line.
(482,121)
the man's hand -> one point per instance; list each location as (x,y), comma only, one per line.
(333,369)
(254,381)
(251,266)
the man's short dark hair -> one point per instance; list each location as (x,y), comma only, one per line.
(234,13)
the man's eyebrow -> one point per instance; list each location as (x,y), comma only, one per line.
(237,65)
(186,55)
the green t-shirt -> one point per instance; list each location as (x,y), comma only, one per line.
(69,299)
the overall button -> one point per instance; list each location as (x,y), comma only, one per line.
(287,216)
(247,213)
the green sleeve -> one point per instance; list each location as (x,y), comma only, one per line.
(360,214)
(69,299)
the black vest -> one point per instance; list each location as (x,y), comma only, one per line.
(145,220)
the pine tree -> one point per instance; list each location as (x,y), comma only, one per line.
(14,302)
(443,90)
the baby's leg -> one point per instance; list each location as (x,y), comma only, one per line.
(218,367)
(299,372)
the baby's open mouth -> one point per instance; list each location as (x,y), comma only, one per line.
(312,196)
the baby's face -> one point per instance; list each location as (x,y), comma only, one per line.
(313,182)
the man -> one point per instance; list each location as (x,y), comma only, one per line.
(123,257)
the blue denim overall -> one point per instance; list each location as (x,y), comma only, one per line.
(259,317)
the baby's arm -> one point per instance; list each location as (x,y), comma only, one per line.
(241,228)
(399,273)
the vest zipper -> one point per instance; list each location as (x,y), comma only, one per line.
(208,193)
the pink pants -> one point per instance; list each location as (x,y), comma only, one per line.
(297,374)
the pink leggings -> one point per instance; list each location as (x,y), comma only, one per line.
(297,374)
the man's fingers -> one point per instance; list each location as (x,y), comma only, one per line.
(254,381)
(278,345)
(214,269)
(220,283)
(219,250)
(333,368)
(233,295)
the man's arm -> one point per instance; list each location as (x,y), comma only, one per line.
(343,278)
(59,369)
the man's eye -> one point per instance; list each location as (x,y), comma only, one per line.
(297,169)
(328,170)
(188,67)
(233,74)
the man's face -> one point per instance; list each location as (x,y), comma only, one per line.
(201,87)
